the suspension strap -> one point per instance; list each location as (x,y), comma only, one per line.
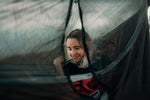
(66,24)
(87,53)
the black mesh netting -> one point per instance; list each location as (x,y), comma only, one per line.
(32,35)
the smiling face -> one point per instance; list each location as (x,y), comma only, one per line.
(75,50)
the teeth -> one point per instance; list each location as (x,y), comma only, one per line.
(75,57)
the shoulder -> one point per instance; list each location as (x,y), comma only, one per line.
(70,68)
(69,63)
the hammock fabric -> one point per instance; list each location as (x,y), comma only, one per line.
(32,36)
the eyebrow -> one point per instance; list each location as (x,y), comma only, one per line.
(74,46)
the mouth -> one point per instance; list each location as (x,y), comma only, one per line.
(75,57)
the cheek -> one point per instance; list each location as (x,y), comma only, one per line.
(69,53)
(82,52)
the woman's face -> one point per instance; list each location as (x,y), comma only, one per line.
(75,50)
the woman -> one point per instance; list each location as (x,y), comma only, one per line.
(79,64)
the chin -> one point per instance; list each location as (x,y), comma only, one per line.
(76,61)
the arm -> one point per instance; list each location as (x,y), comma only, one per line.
(58,62)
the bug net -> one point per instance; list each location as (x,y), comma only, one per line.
(32,36)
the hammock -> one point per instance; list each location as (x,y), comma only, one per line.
(32,36)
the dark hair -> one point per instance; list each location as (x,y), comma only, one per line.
(77,33)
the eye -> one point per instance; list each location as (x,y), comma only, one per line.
(69,49)
(77,48)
